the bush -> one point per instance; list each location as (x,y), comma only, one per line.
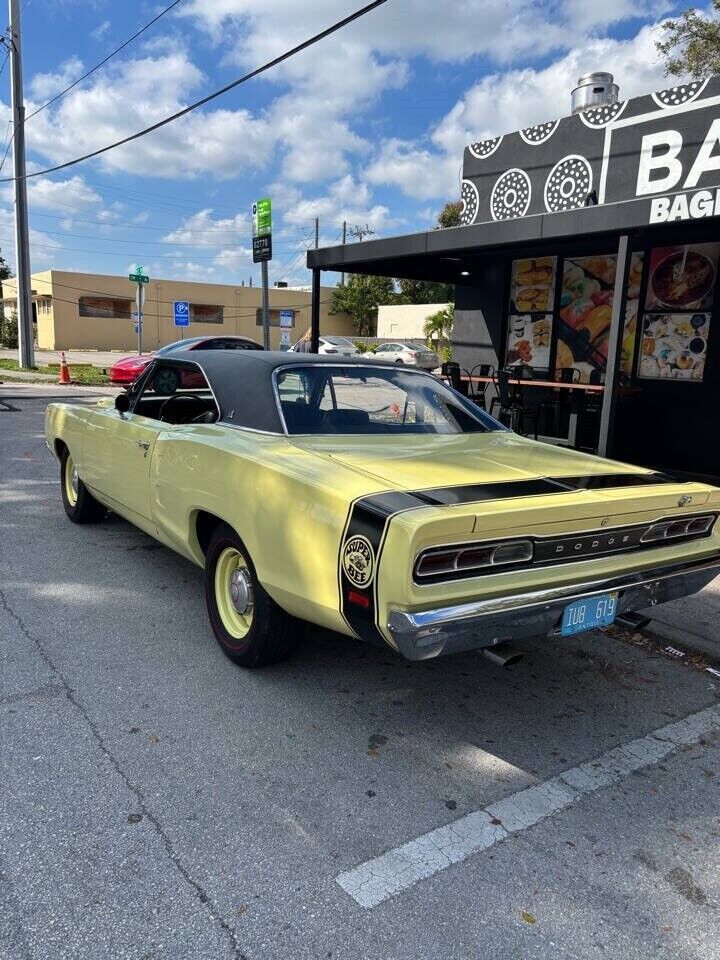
(362,346)
(9,331)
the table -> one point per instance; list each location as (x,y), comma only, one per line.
(553,384)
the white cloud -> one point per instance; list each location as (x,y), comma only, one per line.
(72,194)
(347,200)
(127,97)
(100,30)
(46,85)
(202,230)
(503,102)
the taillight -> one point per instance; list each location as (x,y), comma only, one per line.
(671,529)
(442,561)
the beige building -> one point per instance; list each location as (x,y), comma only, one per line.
(88,311)
(405,321)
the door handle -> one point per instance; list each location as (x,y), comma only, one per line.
(143,444)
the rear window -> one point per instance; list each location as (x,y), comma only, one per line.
(322,399)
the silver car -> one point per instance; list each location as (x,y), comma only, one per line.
(408,353)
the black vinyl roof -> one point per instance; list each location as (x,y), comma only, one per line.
(242,380)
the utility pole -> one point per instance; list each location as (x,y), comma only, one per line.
(360,232)
(342,275)
(317,232)
(26,351)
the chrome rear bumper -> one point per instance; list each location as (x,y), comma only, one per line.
(483,623)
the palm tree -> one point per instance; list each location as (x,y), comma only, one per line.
(438,326)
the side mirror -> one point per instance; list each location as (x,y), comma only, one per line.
(122,403)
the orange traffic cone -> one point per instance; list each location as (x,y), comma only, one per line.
(64,370)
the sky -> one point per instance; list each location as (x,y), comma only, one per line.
(366,127)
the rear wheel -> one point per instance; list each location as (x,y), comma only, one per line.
(250,627)
(79,503)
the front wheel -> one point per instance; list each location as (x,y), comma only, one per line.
(250,627)
(80,505)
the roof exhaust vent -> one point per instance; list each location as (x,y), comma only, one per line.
(594,89)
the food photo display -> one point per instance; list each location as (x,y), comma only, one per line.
(586,311)
(528,341)
(674,346)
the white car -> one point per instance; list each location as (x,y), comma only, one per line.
(339,345)
(407,353)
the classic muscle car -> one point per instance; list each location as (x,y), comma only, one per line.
(375,501)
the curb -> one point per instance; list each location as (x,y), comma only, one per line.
(658,630)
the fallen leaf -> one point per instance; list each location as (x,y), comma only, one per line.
(528,917)
(153,739)
(498,823)
(241,909)
(373,754)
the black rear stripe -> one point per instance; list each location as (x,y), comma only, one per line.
(369,517)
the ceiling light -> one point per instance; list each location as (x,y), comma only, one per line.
(464,273)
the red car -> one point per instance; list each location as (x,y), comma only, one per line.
(127,370)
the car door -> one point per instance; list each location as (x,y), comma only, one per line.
(130,445)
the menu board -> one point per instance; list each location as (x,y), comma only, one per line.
(528,340)
(682,277)
(674,346)
(532,288)
(586,311)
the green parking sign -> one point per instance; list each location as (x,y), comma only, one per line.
(262,217)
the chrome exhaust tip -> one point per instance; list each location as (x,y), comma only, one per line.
(502,654)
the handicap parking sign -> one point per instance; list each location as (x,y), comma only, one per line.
(182,313)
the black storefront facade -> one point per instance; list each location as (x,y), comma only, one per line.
(591,242)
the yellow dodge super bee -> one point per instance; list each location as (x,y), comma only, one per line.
(377,502)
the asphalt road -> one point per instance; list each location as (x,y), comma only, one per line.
(158,802)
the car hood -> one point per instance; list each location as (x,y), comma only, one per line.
(132,362)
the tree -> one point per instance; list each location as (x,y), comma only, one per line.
(425,291)
(438,326)
(360,297)
(449,216)
(8,326)
(692,43)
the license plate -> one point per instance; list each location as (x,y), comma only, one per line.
(588,613)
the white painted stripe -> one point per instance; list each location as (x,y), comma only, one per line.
(400,868)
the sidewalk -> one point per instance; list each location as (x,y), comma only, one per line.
(692,622)
(97,358)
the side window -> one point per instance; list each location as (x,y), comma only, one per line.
(176,394)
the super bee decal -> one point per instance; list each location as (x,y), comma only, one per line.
(359,561)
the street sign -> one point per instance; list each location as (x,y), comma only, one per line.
(286,318)
(262,248)
(139,276)
(284,339)
(182,313)
(135,316)
(136,328)
(262,217)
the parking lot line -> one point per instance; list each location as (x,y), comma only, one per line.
(400,868)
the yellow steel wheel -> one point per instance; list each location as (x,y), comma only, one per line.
(71,481)
(234,592)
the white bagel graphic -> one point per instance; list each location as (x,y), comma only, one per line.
(682,93)
(485,148)
(568,184)
(539,133)
(470,202)
(510,197)
(602,114)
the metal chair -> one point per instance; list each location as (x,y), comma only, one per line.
(478,393)
(453,371)
(513,406)
(557,402)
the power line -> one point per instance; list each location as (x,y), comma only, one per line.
(211,96)
(105,60)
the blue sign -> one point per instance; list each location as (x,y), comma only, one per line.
(182,313)
(286,318)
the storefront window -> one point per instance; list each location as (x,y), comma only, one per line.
(532,297)
(586,300)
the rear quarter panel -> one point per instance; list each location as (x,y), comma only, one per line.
(288,506)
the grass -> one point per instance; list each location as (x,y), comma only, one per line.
(81,374)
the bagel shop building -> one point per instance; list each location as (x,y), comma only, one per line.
(588,253)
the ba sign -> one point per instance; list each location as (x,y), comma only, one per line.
(182,313)
(262,230)
(286,318)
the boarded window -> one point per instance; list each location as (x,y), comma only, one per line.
(110,307)
(275,318)
(205,313)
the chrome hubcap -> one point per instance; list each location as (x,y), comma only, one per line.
(74,481)
(240,591)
